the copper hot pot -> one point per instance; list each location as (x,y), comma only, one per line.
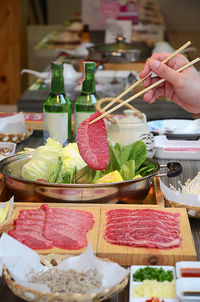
(131,191)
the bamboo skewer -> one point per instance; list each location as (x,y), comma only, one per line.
(141,92)
(141,80)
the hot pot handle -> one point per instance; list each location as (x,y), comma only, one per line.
(175,169)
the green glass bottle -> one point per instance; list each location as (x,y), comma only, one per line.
(57,108)
(85,103)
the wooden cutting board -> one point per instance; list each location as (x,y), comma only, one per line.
(123,255)
(91,235)
(127,256)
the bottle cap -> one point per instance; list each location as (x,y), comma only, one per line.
(89,66)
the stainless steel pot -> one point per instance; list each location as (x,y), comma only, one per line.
(119,52)
(132,191)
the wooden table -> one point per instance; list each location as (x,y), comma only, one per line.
(190,169)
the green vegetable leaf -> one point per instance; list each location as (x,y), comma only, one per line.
(98,175)
(118,148)
(69,177)
(148,167)
(127,170)
(128,160)
(85,175)
(114,163)
(56,177)
(126,152)
(138,153)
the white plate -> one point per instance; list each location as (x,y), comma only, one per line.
(132,283)
(175,126)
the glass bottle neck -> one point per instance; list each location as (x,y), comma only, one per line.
(88,84)
(57,82)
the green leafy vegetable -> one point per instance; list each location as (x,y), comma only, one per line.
(148,167)
(70,177)
(153,273)
(56,176)
(128,160)
(58,164)
(127,170)
(115,162)
(138,153)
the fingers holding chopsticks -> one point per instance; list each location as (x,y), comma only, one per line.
(177,99)
(182,88)
(174,62)
(166,70)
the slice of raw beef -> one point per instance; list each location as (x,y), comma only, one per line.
(32,239)
(68,228)
(48,227)
(92,142)
(72,218)
(143,228)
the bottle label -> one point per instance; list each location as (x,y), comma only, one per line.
(80,117)
(56,126)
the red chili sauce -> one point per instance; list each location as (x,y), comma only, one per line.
(190,272)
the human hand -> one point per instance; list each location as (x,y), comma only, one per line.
(182,88)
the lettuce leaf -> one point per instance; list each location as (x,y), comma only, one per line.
(72,158)
(43,162)
(54,163)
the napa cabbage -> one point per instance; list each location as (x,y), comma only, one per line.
(44,161)
(72,158)
(53,162)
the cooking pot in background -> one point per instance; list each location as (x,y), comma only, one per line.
(119,52)
(131,191)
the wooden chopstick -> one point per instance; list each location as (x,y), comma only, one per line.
(141,80)
(142,92)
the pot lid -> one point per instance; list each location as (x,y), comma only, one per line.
(130,118)
(119,45)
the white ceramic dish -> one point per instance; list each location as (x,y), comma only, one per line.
(9,145)
(176,149)
(186,264)
(187,285)
(132,283)
(175,126)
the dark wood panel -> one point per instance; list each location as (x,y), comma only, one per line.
(10,51)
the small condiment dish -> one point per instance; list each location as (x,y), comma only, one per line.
(188,289)
(188,269)
(7,149)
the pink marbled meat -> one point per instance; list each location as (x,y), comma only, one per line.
(143,228)
(47,227)
(92,143)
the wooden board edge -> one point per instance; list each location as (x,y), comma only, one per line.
(142,259)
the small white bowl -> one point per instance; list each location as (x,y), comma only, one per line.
(9,145)
(188,285)
(186,264)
